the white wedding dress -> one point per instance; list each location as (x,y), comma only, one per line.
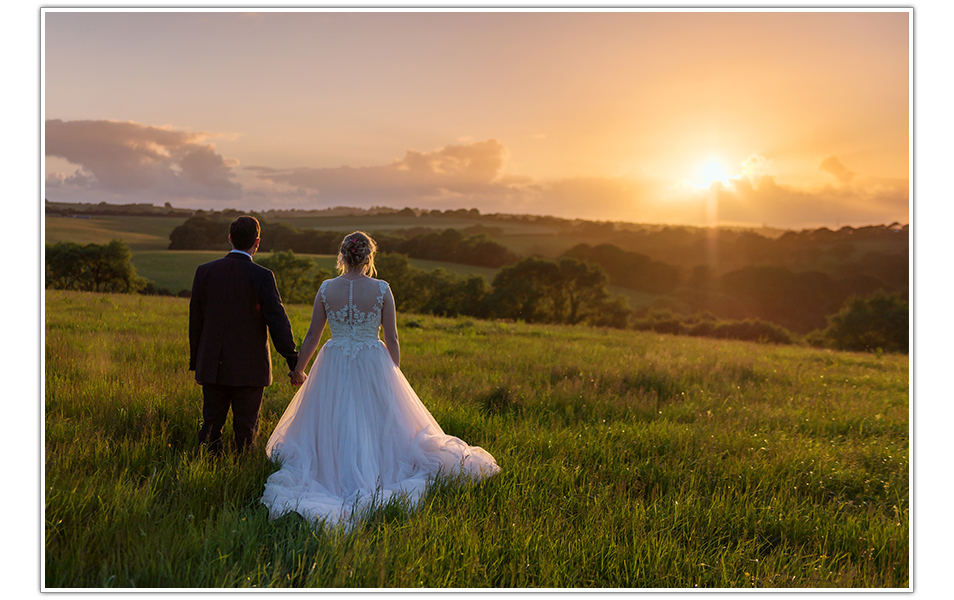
(355,433)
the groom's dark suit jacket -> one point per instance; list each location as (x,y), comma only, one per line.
(233,302)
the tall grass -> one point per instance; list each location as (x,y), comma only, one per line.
(630,459)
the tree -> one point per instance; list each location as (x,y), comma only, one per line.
(400,275)
(877,321)
(64,266)
(568,292)
(201,233)
(92,268)
(524,291)
(297,282)
(580,290)
(210,231)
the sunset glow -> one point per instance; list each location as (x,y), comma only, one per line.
(801,117)
(709,173)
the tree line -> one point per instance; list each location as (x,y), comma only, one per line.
(862,249)
(532,290)
(210,232)
(564,291)
(572,292)
(103,209)
(629,269)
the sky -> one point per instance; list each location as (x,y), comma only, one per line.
(785,119)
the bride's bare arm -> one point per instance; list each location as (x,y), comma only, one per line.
(310,343)
(389,324)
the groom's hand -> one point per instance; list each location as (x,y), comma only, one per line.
(296,381)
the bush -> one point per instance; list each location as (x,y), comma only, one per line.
(752,330)
(879,321)
(706,325)
(151,289)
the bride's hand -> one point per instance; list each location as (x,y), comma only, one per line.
(297,377)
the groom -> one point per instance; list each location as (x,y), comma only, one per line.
(233,302)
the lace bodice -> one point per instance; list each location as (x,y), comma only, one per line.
(354,310)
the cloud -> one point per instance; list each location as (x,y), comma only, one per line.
(455,176)
(131,158)
(474,175)
(764,200)
(130,162)
(755,165)
(600,198)
(835,167)
(466,171)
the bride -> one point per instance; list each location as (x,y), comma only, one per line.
(355,433)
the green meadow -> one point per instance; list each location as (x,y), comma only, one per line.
(630,460)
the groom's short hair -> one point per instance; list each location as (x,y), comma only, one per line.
(244,231)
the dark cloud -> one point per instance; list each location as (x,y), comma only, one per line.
(130,158)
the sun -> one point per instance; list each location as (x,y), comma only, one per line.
(709,172)
(713,171)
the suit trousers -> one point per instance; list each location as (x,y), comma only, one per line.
(245,401)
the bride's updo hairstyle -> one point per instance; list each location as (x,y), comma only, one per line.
(357,252)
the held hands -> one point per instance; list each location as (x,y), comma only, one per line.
(297,377)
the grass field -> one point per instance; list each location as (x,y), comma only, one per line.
(630,460)
(139,233)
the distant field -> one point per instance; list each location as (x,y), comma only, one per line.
(390,223)
(172,270)
(139,233)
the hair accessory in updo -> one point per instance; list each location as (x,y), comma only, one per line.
(357,250)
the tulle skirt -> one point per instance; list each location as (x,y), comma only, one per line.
(354,435)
